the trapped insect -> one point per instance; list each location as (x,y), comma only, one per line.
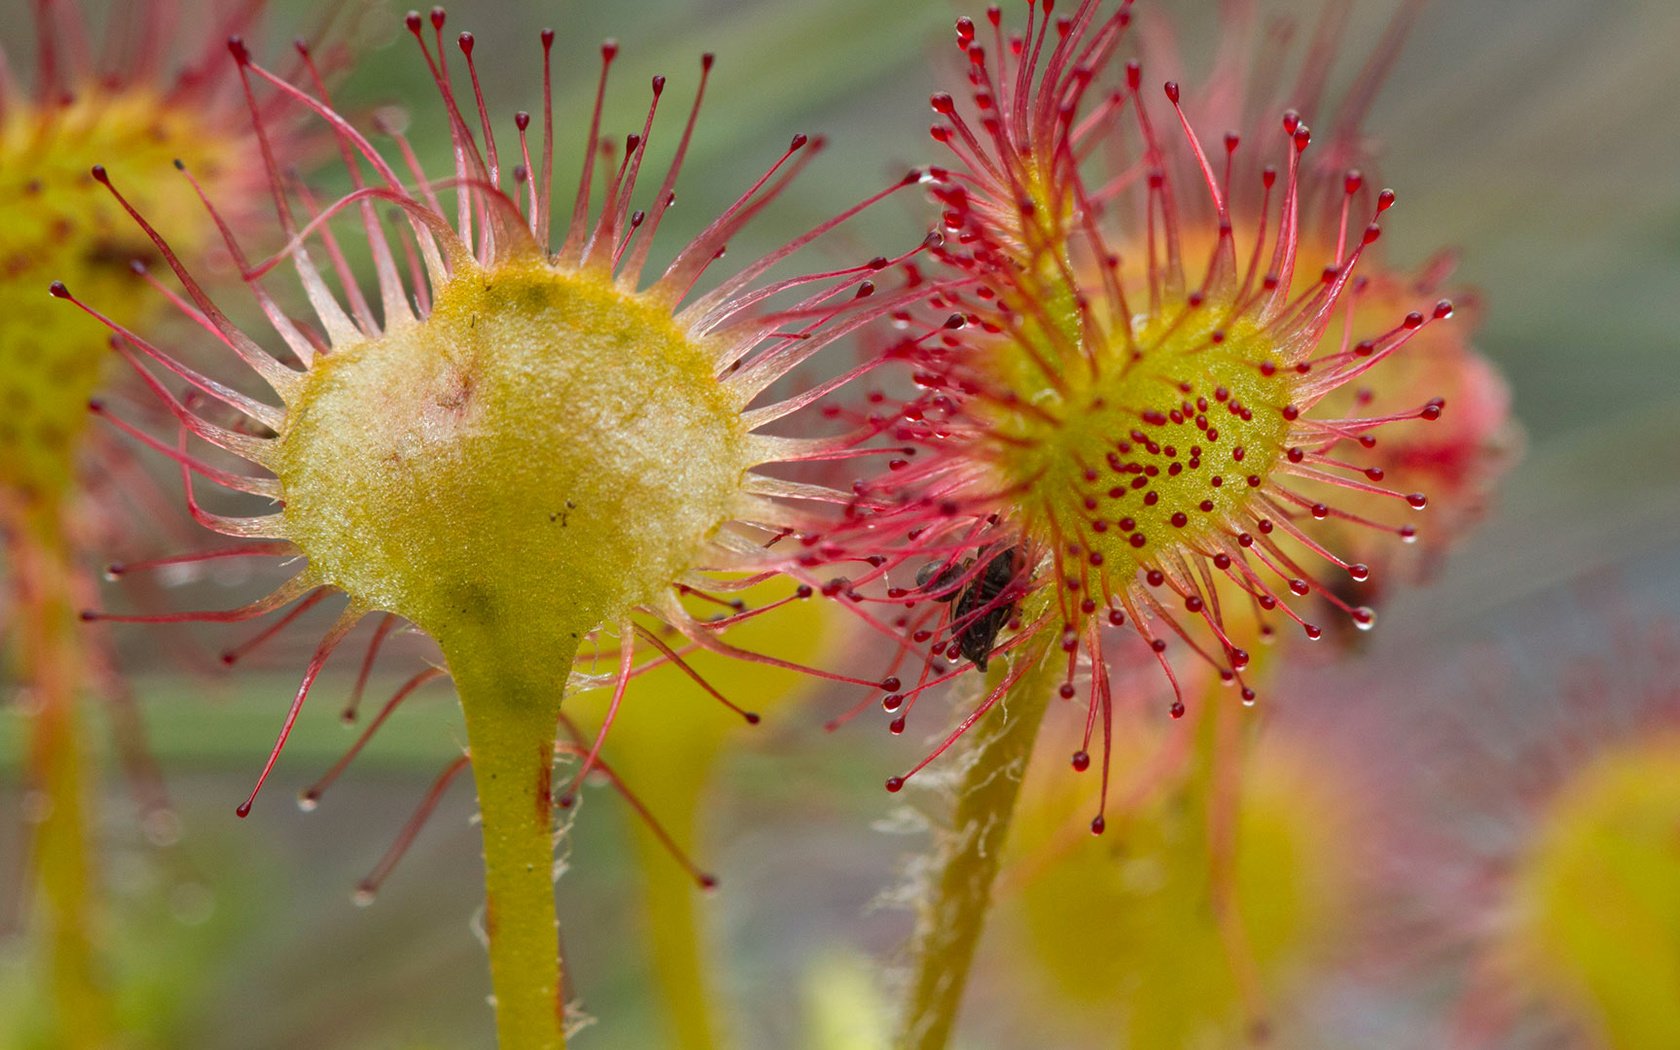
(982,601)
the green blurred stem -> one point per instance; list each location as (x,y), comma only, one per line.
(677,940)
(1205,797)
(970,850)
(953,914)
(511,699)
(51,661)
(1223,740)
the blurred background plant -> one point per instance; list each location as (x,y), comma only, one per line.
(1534,848)
(144,88)
(1539,135)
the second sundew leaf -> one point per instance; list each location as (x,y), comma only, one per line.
(1152,393)
(1126,445)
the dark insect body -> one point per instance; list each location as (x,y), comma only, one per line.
(981,603)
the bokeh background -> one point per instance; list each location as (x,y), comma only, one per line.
(1542,137)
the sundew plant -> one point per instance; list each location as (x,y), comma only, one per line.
(1145,414)
(512,441)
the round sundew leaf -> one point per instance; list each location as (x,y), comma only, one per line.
(544,448)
